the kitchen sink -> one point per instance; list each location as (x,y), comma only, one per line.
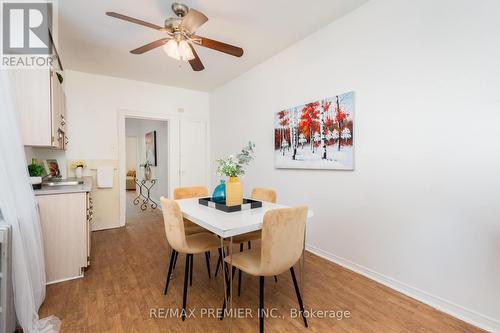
(62,182)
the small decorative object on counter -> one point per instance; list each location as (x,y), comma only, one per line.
(78,167)
(52,168)
(36,172)
(147,170)
(219,195)
(232,167)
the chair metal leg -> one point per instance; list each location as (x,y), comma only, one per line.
(191,270)
(219,262)
(239,272)
(170,266)
(228,289)
(186,277)
(297,291)
(175,258)
(207,259)
(239,282)
(261,304)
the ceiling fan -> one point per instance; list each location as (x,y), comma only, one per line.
(181,36)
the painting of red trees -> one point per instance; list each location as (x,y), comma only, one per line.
(317,135)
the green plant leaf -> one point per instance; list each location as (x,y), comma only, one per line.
(36,170)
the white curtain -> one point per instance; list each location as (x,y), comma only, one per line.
(18,207)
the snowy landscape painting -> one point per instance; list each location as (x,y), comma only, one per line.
(317,135)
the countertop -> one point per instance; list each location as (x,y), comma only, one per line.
(85,187)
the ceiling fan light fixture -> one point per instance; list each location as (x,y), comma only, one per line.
(178,50)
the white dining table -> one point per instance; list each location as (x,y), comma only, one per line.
(228,225)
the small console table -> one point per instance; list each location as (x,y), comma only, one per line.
(145,186)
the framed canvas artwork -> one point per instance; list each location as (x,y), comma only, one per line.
(151,147)
(316,135)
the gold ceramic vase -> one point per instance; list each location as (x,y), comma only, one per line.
(234,192)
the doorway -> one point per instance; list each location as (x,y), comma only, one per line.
(147,167)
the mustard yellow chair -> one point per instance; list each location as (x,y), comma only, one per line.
(190,227)
(186,193)
(281,247)
(181,243)
(261,194)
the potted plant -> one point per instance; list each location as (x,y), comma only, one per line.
(232,167)
(36,172)
(78,167)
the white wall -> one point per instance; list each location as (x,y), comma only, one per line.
(96,106)
(138,128)
(93,102)
(421,211)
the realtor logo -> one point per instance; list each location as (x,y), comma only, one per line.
(26,28)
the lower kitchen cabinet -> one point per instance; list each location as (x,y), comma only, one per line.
(65,220)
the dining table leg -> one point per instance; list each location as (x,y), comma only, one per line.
(231,283)
(302,265)
(228,302)
(223,278)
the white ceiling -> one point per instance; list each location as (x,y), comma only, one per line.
(92,42)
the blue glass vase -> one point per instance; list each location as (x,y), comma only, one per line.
(219,195)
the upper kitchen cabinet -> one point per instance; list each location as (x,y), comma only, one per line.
(41,103)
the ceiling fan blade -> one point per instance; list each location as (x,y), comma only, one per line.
(218,46)
(196,63)
(150,46)
(193,20)
(134,20)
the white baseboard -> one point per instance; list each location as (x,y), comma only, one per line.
(455,310)
(63,280)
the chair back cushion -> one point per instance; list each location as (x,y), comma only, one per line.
(264,194)
(190,192)
(174,224)
(282,239)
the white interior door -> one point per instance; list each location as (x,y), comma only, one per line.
(131,152)
(193,153)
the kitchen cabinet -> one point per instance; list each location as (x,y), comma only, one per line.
(40,101)
(65,221)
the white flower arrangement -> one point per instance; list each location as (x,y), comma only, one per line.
(78,164)
(232,166)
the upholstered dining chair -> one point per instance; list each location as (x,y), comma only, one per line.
(180,242)
(190,227)
(261,194)
(186,193)
(281,247)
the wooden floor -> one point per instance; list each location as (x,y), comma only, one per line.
(125,283)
